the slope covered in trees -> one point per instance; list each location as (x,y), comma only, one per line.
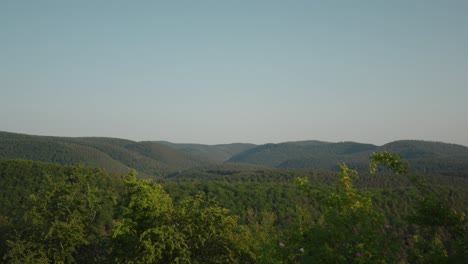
(117,155)
(163,159)
(220,152)
(324,153)
(425,156)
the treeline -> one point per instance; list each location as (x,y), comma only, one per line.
(75,214)
(233,173)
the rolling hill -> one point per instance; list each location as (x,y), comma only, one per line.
(150,159)
(424,156)
(221,152)
(303,153)
(162,159)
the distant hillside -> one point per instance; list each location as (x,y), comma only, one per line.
(415,149)
(163,159)
(424,156)
(116,155)
(221,152)
(310,153)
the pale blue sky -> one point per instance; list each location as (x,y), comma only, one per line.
(236,71)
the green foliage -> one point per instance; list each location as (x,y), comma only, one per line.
(351,230)
(443,237)
(51,213)
(153,230)
(58,219)
(428,251)
(54,212)
(435,211)
(212,234)
(26,252)
(145,232)
(389,160)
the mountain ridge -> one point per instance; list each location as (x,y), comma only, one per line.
(424,156)
(114,154)
(217,152)
(162,158)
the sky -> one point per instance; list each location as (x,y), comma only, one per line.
(251,71)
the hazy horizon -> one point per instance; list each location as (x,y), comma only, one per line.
(217,72)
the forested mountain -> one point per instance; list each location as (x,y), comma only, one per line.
(116,155)
(424,156)
(220,152)
(160,158)
(317,153)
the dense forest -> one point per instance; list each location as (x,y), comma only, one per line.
(110,200)
(51,213)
